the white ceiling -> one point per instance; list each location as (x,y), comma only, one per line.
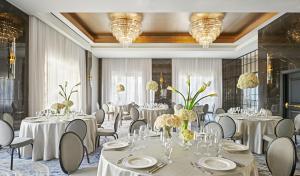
(49,11)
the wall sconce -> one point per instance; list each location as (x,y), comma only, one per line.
(12,60)
(269,69)
(89,77)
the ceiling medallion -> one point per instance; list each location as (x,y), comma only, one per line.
(206,27)
(126,27)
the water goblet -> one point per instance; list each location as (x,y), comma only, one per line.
(168,149)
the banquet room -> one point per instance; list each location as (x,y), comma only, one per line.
(142,88)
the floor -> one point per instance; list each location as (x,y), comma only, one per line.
(26,167)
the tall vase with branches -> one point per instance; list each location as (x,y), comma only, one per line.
(68,103)
(187,114)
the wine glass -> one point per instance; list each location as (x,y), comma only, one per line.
(142,132)
(168,149)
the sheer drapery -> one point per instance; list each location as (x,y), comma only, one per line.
(132,73)
(53,59)
(200,70)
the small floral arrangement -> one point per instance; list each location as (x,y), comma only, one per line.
(189,115)
(247,80)
(152,85)
(67,96)
(120,88)
(167,121)
(57,107)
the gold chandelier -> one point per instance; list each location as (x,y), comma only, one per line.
(9,28)
(206,27)
(126,27)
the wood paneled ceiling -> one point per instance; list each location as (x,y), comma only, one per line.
(166,27)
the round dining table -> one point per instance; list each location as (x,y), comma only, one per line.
(253,128)
(47,131)
(151,113)
(181,161)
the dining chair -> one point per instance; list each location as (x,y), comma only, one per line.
(8,118)
(297,127)
(215,127)
(100,116)
(107,111)
(79,127)
(108,132)
(281,157)
(135,125)
(284,128)
(229,128)
(127,115)
(220,111)
(177,108)
(7,139)
(134,113)
(71,152)
(205,111)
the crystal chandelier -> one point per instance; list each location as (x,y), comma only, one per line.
(206,27)
(294,32)
(126,27)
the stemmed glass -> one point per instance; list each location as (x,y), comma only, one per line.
(142,132)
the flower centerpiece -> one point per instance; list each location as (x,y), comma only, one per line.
(166,122)
(152,86)
(57,107)
(67,96)
(247,80)
(120,88)
(186,114)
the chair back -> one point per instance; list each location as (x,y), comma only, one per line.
(71,152)
(105,107)
(281,157)
(98,106)
(100,116)
(285,128)
(6,133)
(134,113)
(177,108)
(220,111)
(228,125)
(205,108)
(77,126)
(297,123)
(216,128)
(116,123)
(9,119)
(135,125)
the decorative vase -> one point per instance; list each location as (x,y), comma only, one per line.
(186,135)
(165,134)
(152,97)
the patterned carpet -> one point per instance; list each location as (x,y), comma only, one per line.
(26,167)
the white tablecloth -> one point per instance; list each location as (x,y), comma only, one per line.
(181,162)
(253,129)
(150,114)
(47,133)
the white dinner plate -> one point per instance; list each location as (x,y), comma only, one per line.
(139,161)
(216,163)
(115,145)
(233,147)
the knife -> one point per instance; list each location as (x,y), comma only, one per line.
(158,168)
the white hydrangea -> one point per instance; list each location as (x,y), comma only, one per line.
(247,80)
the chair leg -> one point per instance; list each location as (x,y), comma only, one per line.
(87,154)
(19,153)
(296,139)
(12,158)
(117,135)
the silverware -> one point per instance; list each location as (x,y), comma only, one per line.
(201,168)
(153,168)
(121,159)
(158,168)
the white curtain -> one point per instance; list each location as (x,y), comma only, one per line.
(200,70)
(53,59)
(132,73)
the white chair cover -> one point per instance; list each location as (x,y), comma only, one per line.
(71,152)
(281,157)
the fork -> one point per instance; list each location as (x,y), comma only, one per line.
(156,167)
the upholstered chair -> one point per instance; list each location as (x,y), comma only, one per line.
(107,111)
(100,116)
(216,127)
(297,127)
(108,132)
(229,128)
(135,125)
(220,111)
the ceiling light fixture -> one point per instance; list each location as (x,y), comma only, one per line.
(126,27)
(206,27)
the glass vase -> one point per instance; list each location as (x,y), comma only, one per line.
(151,97)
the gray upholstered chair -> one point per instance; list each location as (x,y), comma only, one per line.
(229,128)
(135,125)
(7,139)
(79,127)
(108,132)
(281,157)
(9,119)
(126,115)
(297,127)
(100,116)
(216,127)
(107,111)
(177,108)
(220,111)
(284,128)
(71,152)
(134,113)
